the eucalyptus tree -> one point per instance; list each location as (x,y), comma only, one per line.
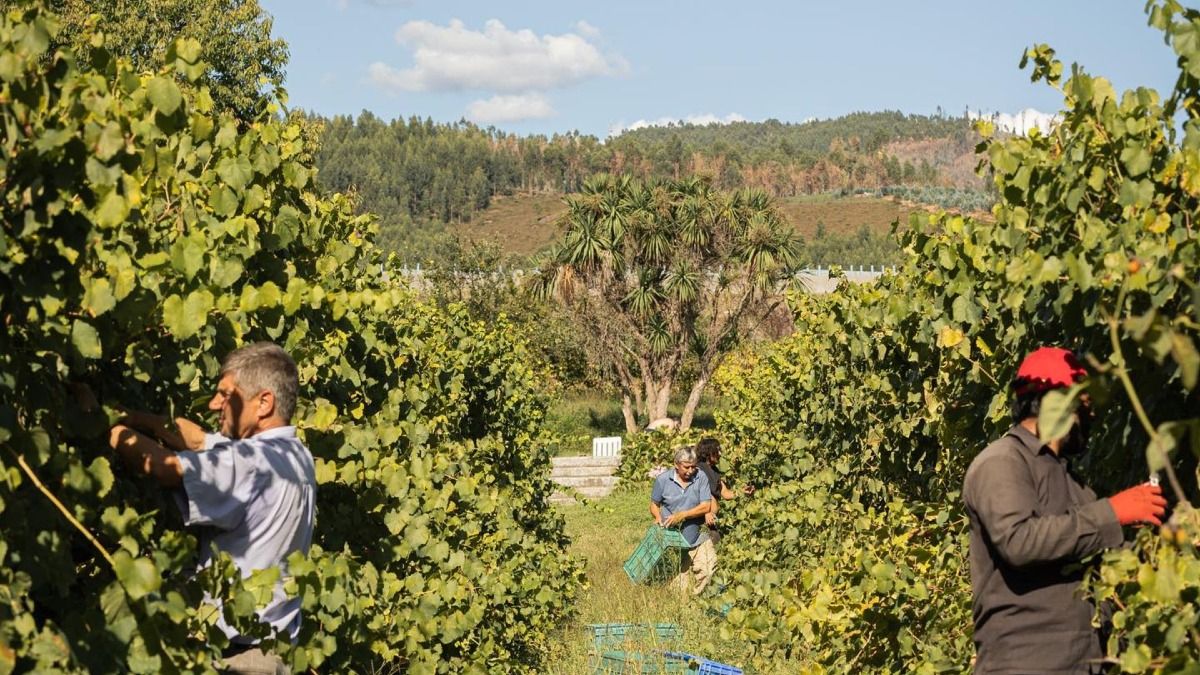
(656,272)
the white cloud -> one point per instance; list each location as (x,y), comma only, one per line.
(1019,122)
(587,30)
(700,120)
(502,108)
(455,58)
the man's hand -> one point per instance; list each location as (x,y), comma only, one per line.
(189,437)
(710,518)
(1139,504)
(147,423)
(673,519)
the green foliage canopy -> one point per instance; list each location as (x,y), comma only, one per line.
(145,235)
(858,428)
(243,66)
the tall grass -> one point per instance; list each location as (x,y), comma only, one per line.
(604,534)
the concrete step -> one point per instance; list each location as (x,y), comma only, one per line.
(589,492)
(569,471)
(586,460)
(586,481)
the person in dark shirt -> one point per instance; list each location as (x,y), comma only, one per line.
(708,455)
(1032,522)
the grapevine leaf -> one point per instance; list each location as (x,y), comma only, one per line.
(139,576)
(187,254)
(324,415)
(1183,350)
(1136,159)
(112,211)
(110,142)
(1057,413)
(98,296)
(235,171)
(164,95)
(185,317)
(86,339)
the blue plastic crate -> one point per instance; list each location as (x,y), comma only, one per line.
(657,557)
(703,666)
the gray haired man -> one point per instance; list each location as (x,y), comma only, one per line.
(252,485)
(681,498)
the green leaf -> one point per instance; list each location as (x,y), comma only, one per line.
(184,318)
(164,95)
(1057,413)
(268,295)
(1183,350)
(102,474)
(1136,159)
(226,135)
(294,295)
(1158,451)
(1136,659)
(97,295)
(187,254)
(223,201)
(235,171)
(10,67)
(324,414)
(111,141)
(85,339)
(188,49)
(139,576)
(112,211)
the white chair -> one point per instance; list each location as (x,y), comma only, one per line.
(607,446)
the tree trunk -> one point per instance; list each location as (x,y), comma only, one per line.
(662,399)
(631,425)
(693,401)
(649,397)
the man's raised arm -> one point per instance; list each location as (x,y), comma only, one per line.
(143,454)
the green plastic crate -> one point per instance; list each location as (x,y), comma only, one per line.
(638,662)
(658,557)
(634,648)
(613,636)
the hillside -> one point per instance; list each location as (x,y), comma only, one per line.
(424,179)
(843,230)
(521,224)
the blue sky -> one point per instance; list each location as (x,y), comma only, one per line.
(543,67)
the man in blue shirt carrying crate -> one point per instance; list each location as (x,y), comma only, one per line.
(680,498)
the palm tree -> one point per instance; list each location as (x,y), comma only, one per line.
(656,273)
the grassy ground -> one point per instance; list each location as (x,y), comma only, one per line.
(842,215)
(604,535)
(524,224)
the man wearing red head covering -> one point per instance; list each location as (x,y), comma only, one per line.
(1032,522)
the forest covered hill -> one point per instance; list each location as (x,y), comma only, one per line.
(429,180)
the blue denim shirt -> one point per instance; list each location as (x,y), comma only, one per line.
(672,497)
